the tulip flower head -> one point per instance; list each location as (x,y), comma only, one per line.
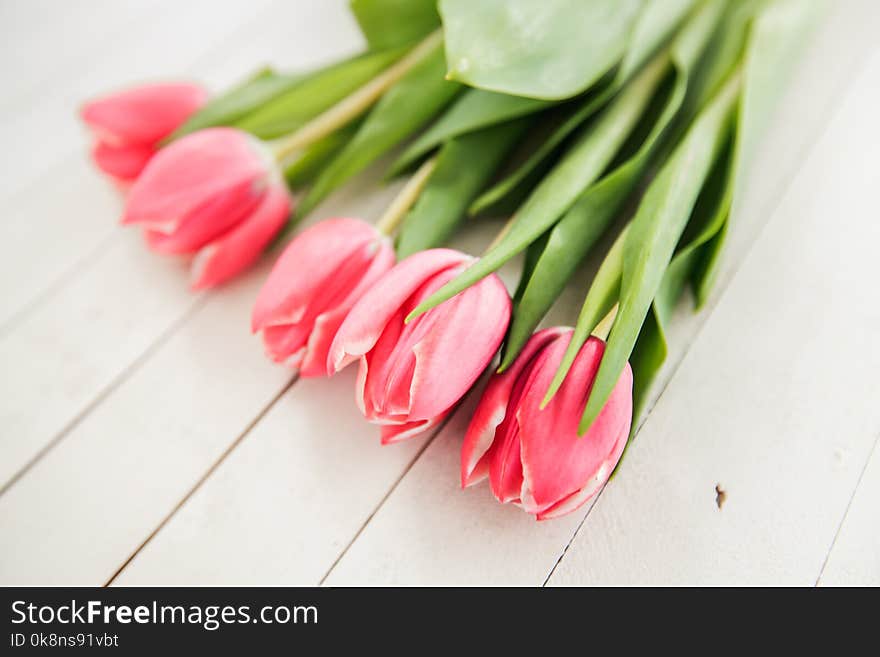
(216,194)
(313,285)
(128,126)
(534,457)
(411,374)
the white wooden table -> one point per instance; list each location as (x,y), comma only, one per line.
(144,438)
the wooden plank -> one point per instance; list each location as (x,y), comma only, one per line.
(70,351)
(855,557)
(500,545)
(87,504)
(286,502)
(49,238)
(776,402)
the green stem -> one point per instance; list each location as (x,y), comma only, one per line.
(401,204)
(355,104)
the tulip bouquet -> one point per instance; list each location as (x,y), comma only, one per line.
(626,122)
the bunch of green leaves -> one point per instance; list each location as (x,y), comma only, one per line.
(677,233)
(554,259)
(480,107)
(651,104)
(669,109)
(271,104)
(407,106)
(593,149)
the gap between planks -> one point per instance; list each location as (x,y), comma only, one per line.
(846,513)
(388,493)
(64,278)
(105,391)
(238,441)
(205,476)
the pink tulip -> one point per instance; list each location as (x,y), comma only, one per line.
(216,194)
(313,285)
(535,457)
(129,125)
(412,374)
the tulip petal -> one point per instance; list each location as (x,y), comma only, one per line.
(579,498)
(371,381)
(210,178)
(393,359)
(205,223)
(395,433)
(303,269)
(493,408)
(233,252)
(283,342)
(556,461)
(470,328)
(316,320)
(409,373)
(364,324)
(143,115)
(328,322)
(123,162)
(505,464)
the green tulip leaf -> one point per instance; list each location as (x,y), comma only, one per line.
(709,216)
(774,39)
(533,254)
(510,183)
(464,165)
(647,358)
(307,167)
(403,109)
(575,234)
(553,49)
(583,164)
(655,231)
(659,19)
(306,100)
(710,213)
(473,110)
(228,108)
(777,36)
(392,23)
(657,22)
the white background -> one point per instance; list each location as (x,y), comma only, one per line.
(144,438)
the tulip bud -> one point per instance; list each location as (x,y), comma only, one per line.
(313,285)
(412,374)
(129,125)
(216,194)
(534,457)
